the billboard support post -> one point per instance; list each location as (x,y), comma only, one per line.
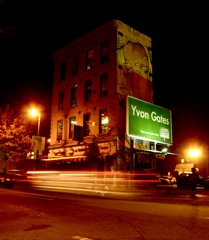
(131,163)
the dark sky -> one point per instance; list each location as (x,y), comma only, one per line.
(31,30)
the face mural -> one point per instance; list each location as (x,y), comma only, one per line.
(134,63)
(136,59)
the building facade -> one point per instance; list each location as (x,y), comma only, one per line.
(92,78)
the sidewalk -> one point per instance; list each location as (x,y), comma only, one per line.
(172,194)
(162,193)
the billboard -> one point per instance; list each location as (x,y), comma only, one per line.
(148,121)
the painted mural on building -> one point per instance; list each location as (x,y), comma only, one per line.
(134,57)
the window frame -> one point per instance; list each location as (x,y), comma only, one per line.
(103,82)
(87,90)
(61,99)
(71,126)
(86,124)
(75,65)
(74,97)
(104,51)
(89,58)
(103,128)
(60,131)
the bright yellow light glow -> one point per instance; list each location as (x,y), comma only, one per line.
(105,120)
(33,112)
(194,153)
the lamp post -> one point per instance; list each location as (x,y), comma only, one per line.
(39,121)
(34,112)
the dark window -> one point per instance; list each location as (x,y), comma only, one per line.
(89,59)
(86,124)
(75,65)
(104,85)
(87,90)
(103,121)
(61,99)
(78,133)
(74,91)
(72,122)
(63,70)
(59,130)
(104,52)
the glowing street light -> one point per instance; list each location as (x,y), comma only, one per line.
(34,113)
(194,153)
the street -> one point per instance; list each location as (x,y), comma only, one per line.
(46,215)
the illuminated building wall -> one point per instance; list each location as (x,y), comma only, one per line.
(92,77)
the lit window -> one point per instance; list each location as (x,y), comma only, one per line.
(89,59)
(72,122)
(59,130)
(103,126)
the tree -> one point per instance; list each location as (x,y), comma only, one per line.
(15,140)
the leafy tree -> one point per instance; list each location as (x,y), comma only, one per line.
(15,140)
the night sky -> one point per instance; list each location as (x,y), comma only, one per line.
(31,30)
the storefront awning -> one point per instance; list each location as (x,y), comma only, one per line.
(70,159)
(184,167)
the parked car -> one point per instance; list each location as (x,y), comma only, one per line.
(6,182)
(12,177)
(206,183)
(167,180)
(185,180)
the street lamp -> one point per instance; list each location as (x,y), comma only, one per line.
(194,153)
(34,112)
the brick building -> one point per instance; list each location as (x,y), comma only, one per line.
(92,78)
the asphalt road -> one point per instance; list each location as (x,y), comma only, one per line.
(160,193)
(48,215)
